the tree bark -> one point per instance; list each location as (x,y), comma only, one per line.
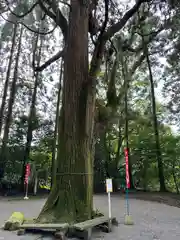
(9,113)
(71,196)
(7,78)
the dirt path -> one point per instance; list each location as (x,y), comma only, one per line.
(171,199)
(153,221)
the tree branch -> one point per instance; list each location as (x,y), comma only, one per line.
(47,11)
(50,61)
(65,3)
(99,45)
(57,16)
(30,29)
(119,25)
(137,64)
(60,19)
(152,36)
(24,14)
(142,57)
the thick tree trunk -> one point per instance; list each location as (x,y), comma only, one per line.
(9,113)
(7,78)
(32,115)
(71,196)
(54,164)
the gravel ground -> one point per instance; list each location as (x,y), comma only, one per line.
(152,221)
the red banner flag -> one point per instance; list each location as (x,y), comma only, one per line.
(127,167)
(27,173)
(28,169)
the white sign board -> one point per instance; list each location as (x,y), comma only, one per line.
(109,187)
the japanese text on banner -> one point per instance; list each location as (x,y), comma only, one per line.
(127,167)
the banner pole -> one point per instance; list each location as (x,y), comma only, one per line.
(26,195)
(127,201)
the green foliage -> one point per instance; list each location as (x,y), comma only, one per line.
(143,156)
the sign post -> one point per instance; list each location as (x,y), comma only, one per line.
(128,220)
(26,180)
(109,189)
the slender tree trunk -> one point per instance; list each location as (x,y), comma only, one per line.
(35,183)
(174,178)
(9,113)
(156,128)
(71,196)
(107,153)
(154,115)
(120,141)
(145,168)
(7,78)
(175,182)
(32,114)
(54,164)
